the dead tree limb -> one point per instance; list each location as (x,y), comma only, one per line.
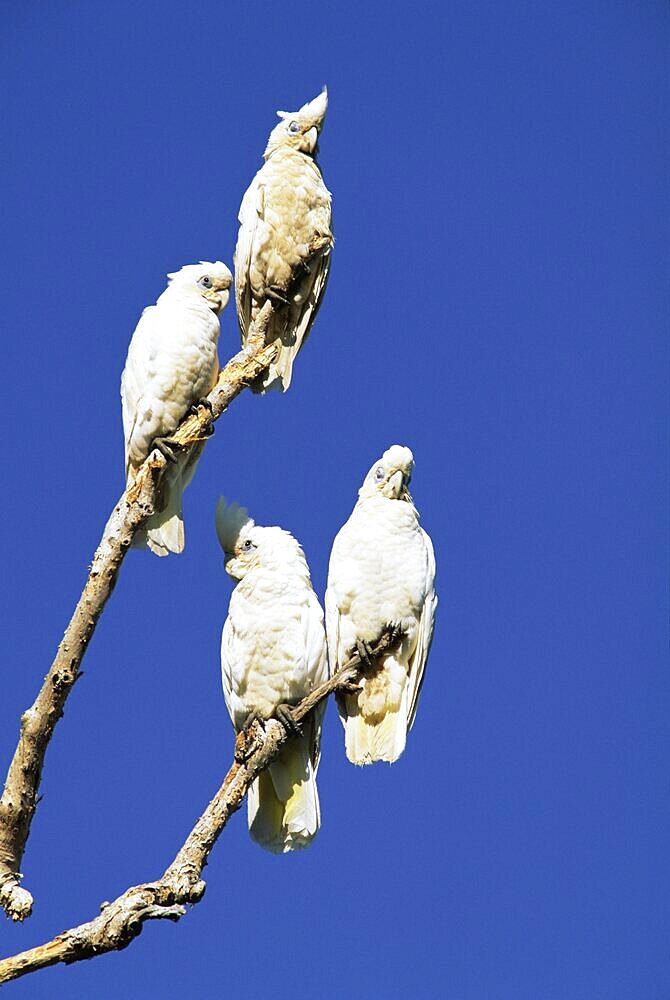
(19,798)
(121,920)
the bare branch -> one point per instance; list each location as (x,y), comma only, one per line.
(19,798)
(121,920)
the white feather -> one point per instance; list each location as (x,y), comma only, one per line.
(273,652)
(285,240)
(382,570)
(172,362)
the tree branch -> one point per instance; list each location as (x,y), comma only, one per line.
(181,883)
(19,798)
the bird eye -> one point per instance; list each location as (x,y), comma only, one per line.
(248,545)
(379,474)
(294,127)
(205,281)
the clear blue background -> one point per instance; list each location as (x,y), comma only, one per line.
(498,302)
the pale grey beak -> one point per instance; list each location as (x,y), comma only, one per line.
(396,483)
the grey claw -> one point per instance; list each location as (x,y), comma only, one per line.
(364,651)
(203,401)
(284,713)
(276,295)
(251,718)
(394,631)
(166,446)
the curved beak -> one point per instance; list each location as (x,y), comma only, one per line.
(399,482)
(396,483)
(229,564)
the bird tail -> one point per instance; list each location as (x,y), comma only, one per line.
(163,532)
(278,377)
(375,720)
(283,804)
(299,318)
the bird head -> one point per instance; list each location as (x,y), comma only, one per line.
(390,476)
(247,545)
(211,281)
(299,129)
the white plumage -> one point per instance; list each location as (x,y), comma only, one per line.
(382,571)
(284,242)
(273,653)
(172,363)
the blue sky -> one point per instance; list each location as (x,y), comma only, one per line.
(498,302)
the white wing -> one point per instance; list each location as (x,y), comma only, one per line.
(424,634)
(332,628)
(300,319)
(227,665)
(315,641)
(133,379)
(317,663)
(251,211)
(171,362)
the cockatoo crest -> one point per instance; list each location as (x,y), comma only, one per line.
(231,522)
(247,545)
(390,475)
(299,129)
(210,280)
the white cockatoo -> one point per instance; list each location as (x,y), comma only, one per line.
(381,573)
(284,242)
(172,364)
(273,653)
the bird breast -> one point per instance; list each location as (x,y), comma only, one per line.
(379,570)
(269,617)
(295,210)
(180,365)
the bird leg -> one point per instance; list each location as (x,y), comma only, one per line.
(394,630)
(276,294)
(284,714)
(166,446)
(194,407)
(364,650)
(252,717)
(350,687)
(203,401)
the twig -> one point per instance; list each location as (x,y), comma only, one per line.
(19,798)
(166,899)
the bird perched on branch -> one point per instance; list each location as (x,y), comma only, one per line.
(381,573)
(273,653)
(284,242)
(172,364)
